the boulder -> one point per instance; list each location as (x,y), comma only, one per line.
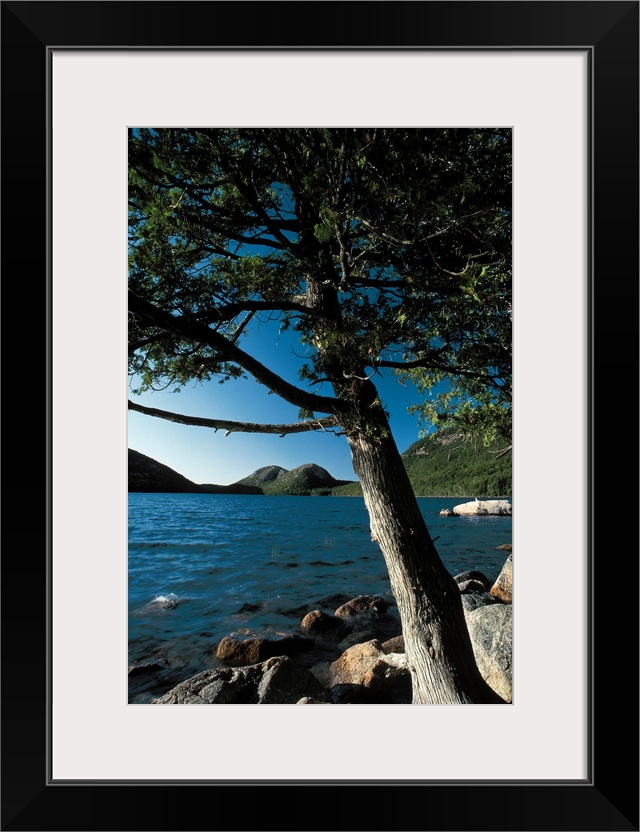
(361,604)
(475,600)
(490,628)
(473,575)
(318,622)
(446,512)
(278,680)
(365,673)
(503,587)
(394,645)
(471,586)
(474,589)
(236,652)
(483,507)
(368,625)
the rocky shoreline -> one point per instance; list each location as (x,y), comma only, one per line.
(354,655)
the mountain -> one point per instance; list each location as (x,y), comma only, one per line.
(264,475)
(449,464)
(145,474)
(149,475)
(305,479)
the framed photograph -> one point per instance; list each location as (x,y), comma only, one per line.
(562,78)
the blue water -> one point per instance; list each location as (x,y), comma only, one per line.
(204,566)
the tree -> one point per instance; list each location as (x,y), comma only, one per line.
(386,251)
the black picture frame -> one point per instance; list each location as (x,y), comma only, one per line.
(608,799)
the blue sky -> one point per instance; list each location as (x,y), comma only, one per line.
(205,456)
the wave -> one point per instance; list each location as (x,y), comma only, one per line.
(166,602)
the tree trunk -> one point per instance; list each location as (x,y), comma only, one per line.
(437,643)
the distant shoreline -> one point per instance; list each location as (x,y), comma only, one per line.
(428,465)
(350,496)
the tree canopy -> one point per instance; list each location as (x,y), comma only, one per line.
(410,229)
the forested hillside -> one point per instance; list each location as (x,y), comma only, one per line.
(447,464)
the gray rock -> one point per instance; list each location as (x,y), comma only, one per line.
(474,589)
(475,600)
(278,680)
(285,682)
(490,628)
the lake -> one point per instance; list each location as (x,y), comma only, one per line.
(203,566)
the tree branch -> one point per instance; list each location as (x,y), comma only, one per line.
(230,427)
(195,331)
(229,311)
(257,240)
(426,364)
